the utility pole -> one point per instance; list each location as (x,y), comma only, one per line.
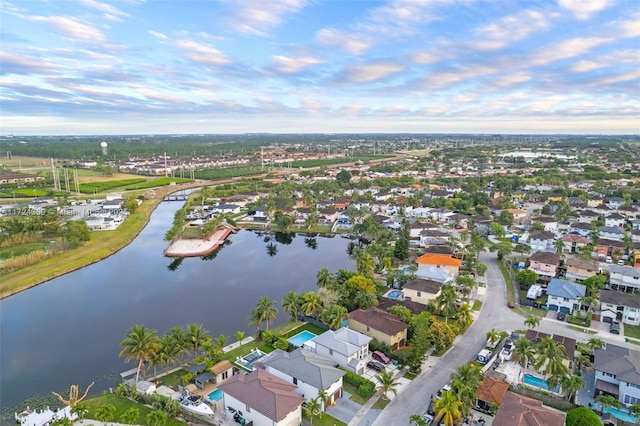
(165,165)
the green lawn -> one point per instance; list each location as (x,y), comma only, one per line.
(380,404)
(632,331)
(174,379)
(122,405)
(22,249)
(306,326)
(477,305)
(324,420)
(355,397)
(510,293)
(409,375)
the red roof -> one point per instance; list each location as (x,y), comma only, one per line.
(439,259)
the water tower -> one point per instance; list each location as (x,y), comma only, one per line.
(104,145)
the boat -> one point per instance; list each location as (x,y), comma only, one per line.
(195,405)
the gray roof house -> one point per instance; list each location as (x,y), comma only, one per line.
(618,373)
(307,370)
(617,306)
(611,233)
(563,295)
(348,348)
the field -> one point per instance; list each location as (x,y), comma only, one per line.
(18,162)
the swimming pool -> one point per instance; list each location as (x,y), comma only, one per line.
(299,339)
(621,415)
(536,381)
(247,360)
(216,395)
(395,294)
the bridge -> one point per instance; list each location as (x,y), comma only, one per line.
(176,197)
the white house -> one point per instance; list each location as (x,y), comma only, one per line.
(348,348)
(264,399)
(433,273)
(550,223)
(310,372)
(611,233)
(618,373)
(624,278)
(226,208)
(563,295)
(615,220)
(542,241)
(618,306)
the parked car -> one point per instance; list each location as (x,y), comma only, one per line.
(428,419)
(379,356)
(615,327)
(621,262)
(561,316)
(375,366)
(431,410)
(608,259)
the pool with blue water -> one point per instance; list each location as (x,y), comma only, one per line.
(622,415)
(216,395)
(302,337)
(395,294)
(538,382)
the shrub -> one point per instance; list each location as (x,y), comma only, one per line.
(582,416)
(282,343)
(366,388)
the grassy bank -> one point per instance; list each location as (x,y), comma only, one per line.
(122,405)
(102,245)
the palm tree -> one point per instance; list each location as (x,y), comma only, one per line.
(589,301)
(417,420)
(634,410)
(493,336)
(466,394)
(524,352)
(139,343)
(267,310)
(180,339)
(448,408)
(197,336)
(169,350)
(532,322)
(80,409)
(607,401)
(387,383)
(157,418)
(290,305)
(311,221)
(334,316)
(105,413)
(324,278)
(310,303)
(446,300)
(314,408)
(559,245)
(131,416)
(323,396)
(550,358)
(469,374)
(595,343)
(465,315)
(572,384)
(239,336)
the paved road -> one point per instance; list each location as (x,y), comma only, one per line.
(495,313)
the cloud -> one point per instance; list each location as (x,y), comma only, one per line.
(512,28)
(583,9)
(356,44)
(293,65)
(111,12)
(202,53)
(71,27)
(371,72)
(567,49)
(13,63)
(256,17)
(158,35)
(630,28)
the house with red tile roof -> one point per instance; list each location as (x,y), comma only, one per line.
(379,325)
(263,398)
(490,391)
(451,264)
(519,410)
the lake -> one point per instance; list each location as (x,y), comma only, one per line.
(68,330)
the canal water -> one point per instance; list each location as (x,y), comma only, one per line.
(68,330)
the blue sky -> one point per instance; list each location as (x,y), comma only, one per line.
(314,66)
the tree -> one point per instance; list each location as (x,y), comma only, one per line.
(324,278)
(156,418)
(607,401)
(197,336)
(448,408)
(323,397)
(532,322)
(239,336)
(506,218)
(482,268)
(131,416)
(550,359)
(310,303)
(634,410)
(386,383)
(64,421)
(496,229)
(595,343)
(446,300)
(80,409)
(559,245)
(401,250)
(333,316)
(131,204)
(105,413)
(181,340)
(417,420)
(75,232)
(524,352)
(572,384)
(582,416)
(314,408)
(493,336)
(527,277)
(267,310)
(139,343)
(464,315)
(343,176)
(291,305)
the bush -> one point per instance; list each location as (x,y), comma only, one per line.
(582,416)
(366,388)
(282,343)
(382,347)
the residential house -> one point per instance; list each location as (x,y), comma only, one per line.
(605,247)
(611,233)
(635,224)
(441,261)
(617,373)
(440,275)
(432,237)
(348,348)
(519,216)
(581,269)
(576,203)
(490,392)
(542,241)
(519,410)
(588,216)
(421,290)
(263,398)
(328,215)
(635,235)
(594,200)
(573,243)
(615,220)
(544,264)
(550,223)
(13,178)
(624,278)
(310,372)
(618,306)
(226,208)
(563,295)
(379,325)
(580,228)
(567,343)
(615,203)
(418,212)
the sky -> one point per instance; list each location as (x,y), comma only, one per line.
(90,67)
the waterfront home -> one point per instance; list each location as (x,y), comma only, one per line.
(564,295)
(542,241)
(226,209)
(310,372)
(145,387)
(617,373)
(263,398)
(30,417)
(440,261)
(421,290)
(581,269)
(379,325)
(221,371)
(618,306)
(519,410)
(348,348)
(544,264)
(624,278)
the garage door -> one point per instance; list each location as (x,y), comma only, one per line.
(565,310)
(553,307)
(607,319)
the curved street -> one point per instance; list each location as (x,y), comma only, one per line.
(414,398)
